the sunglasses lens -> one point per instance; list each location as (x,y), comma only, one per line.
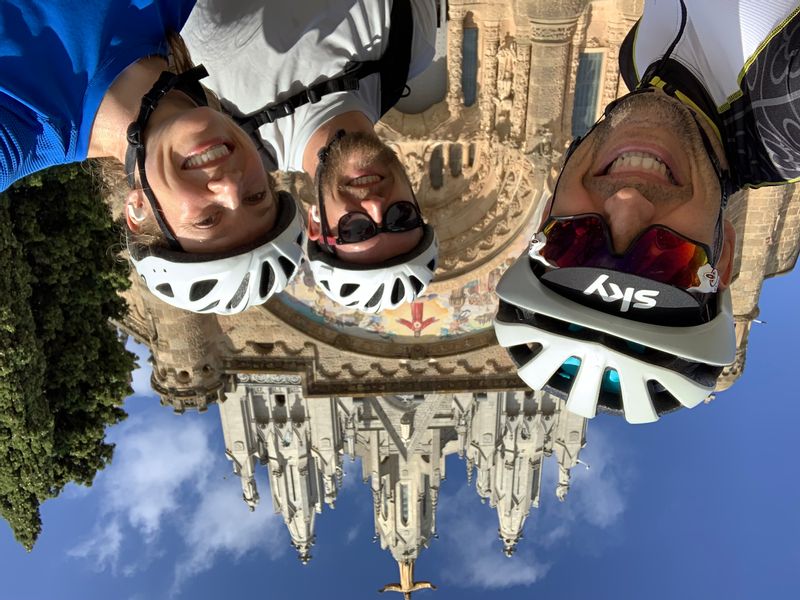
(356,227)
(659,254)
(665,256)
(401,216)
(575,242)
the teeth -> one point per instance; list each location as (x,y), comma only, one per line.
(641,161)
(365,180)
(213,153)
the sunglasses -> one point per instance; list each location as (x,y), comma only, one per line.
(355,227)
(658,253)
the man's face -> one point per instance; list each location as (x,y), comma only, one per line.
(362,174)
(643,165)
(209,180)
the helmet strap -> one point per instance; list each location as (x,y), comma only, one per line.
(323,154)
(187,82)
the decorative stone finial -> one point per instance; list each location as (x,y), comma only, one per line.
(407,585)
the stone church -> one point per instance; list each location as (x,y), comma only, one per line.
(302,383)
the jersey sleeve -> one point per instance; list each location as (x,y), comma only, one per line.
(423,47)
(29,143)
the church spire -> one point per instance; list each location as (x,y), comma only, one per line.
(407,585)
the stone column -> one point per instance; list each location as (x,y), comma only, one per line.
(487,74)
(550,72)
(455,58)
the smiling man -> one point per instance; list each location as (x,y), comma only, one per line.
(621,302)
(310,79)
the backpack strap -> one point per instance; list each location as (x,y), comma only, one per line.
(393,67)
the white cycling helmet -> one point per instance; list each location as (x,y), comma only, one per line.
(598,360)
(373,288)
(223,283)
(226,283)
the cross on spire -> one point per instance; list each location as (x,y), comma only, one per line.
(407,585)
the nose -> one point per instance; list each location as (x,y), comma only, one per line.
(227,189)
(373,206)
(627,213)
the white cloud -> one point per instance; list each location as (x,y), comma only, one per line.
(474,553)
(156,463)
(352,534)
(596,500)
(141,374)
(222,524)
(102,548)
(597,494)
(152,466)
(166,484)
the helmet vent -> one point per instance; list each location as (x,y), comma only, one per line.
(299,240)
(417,284)
(432,265)
(287,266)
(266,281)
(348,289)
(201,289)
(237,297)
(663,401)
(376,297)
(398,291)
(325,284)
(524,353)
(609,400)
(166,289)
(209,307)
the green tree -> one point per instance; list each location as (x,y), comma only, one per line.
(67,372)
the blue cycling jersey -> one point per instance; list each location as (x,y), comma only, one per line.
(57,60)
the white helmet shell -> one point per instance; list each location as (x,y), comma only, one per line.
(373,288)
(227,283)
(603,342)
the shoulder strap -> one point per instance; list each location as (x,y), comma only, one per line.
(393,67)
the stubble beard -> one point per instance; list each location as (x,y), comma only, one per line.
(356,150)
(654,110)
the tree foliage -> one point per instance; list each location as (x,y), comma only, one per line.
(63,371)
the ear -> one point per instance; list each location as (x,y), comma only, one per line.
(135,211)
(314,229)
(725,264)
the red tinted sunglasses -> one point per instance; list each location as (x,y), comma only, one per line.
(658,253)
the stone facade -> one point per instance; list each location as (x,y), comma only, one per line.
(402,442)
(302,383)
(481,172)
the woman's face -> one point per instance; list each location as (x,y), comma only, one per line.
(209,180)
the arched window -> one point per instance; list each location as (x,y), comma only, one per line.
(436,168)
(469,61)
(404,500)
(587,88)
(456,157)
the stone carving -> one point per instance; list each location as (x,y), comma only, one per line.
(268,378)
(504,96)
(525,77)
(552,33)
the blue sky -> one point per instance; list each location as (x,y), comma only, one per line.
(703,504)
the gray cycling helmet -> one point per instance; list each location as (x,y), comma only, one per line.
(600,360)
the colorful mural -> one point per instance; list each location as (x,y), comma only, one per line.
(455,307)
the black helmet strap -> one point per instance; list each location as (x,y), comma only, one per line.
(187,82)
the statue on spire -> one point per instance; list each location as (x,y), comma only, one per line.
(407,585)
